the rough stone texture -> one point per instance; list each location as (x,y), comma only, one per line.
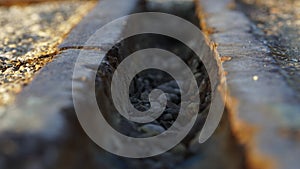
(29,38)
(279,22)
(40,130)
(264,109)
(40,102)
(50,91)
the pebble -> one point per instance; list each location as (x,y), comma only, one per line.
(172,94)
(152,129)
(294,60)
(174,98)
(167,117)
(166,124)
(161,98)
(169,89)
(156,106)
(134,100)
(145,96)
(172,84)
(173,112)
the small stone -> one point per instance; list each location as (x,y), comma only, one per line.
(145,96)
(162,98)
(134,100)
(156,106)
(152,129)
(167,124)
(169,89)
(167,117)
(172,111)
(173,84)
(294,60)
(174,98)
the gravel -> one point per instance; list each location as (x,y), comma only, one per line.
(140,88)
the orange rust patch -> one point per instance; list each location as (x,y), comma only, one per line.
(202,15)
(225,73)
(226,58)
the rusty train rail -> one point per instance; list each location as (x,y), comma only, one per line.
(257,92)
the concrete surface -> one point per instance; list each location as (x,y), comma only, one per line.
(40,129)
(29,36)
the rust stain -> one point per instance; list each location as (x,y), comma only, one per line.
(243,132)
(225,73)
(199,11)
(225,58)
